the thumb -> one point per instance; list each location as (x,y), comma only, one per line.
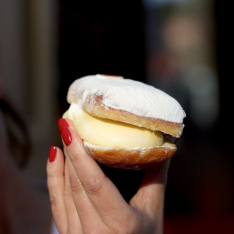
(150,196)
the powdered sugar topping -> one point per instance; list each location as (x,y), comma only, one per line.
(128,95)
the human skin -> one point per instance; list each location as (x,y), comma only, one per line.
(84,200)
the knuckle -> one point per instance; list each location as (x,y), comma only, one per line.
(67,189)
(75,184)
(50,173)
(53,198)
(69,153)
(121,227)
(53,185)
(93,185)
(127,225)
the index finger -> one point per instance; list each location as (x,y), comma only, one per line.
(101,191)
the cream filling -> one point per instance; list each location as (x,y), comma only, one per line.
(104,132)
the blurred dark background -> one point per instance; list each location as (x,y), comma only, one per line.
(183,47)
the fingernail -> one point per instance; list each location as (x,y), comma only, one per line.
(52,153)
(66,135)
(62,123)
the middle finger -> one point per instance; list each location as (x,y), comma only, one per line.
(89,218)
(74,225)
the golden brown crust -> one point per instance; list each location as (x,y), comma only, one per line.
(133,159)
(96,107)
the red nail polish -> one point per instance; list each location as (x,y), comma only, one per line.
(62,123)
(52,153)
(66,135)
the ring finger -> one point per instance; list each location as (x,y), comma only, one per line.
(89,218)
(73,221)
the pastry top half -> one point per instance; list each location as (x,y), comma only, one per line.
(128,101)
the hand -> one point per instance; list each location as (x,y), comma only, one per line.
(84,200)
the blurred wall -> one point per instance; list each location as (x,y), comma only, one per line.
(13,56)
(187,55)
(29,71)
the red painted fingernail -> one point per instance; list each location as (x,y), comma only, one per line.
(52,153)
(62,123)
(66,135)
